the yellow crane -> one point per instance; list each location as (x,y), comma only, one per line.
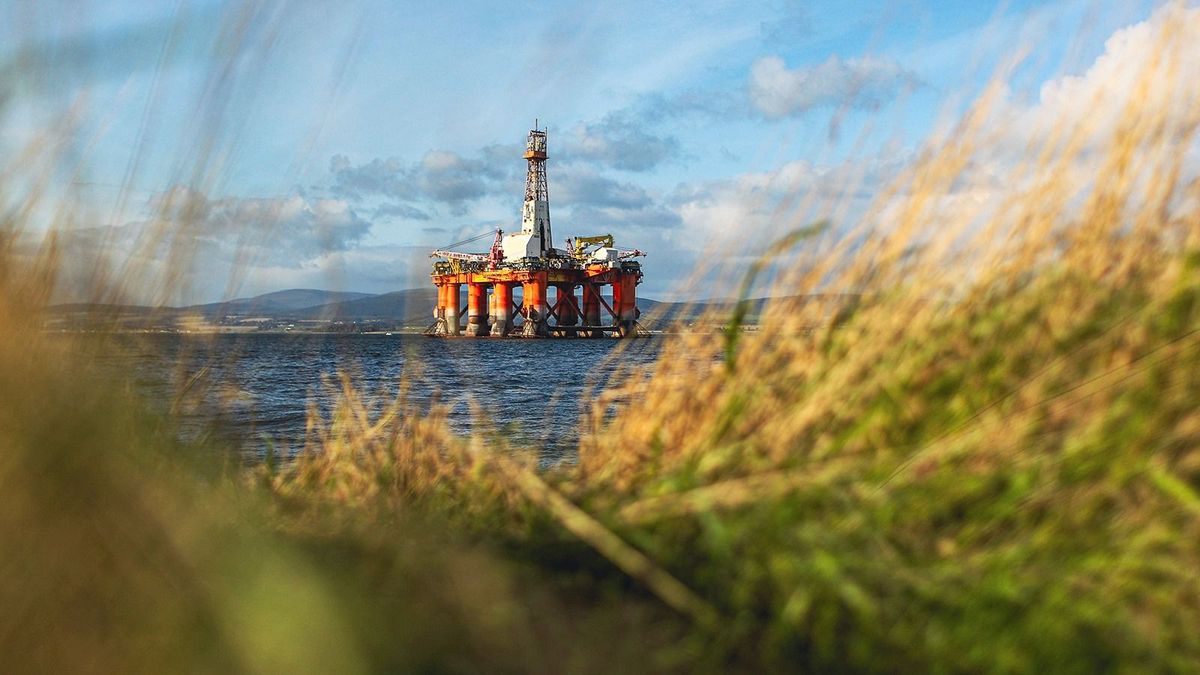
(579,247)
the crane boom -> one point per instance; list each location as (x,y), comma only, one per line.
(580,245)
(457,255)
(492,257)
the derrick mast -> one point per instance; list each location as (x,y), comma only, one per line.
(535,239)
(535,217)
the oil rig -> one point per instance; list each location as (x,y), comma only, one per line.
(509,287)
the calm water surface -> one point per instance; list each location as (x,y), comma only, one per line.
(254,390)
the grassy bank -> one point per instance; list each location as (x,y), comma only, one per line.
(984,461)
(982,457)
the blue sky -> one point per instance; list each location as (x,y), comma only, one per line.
(345,139)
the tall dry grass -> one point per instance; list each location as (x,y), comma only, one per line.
(974,450)
(124,548)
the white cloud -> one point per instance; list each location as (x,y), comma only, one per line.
(439,177)
(369,269)
(279,229)
(622,141)
(1143,80)
(744,213)
(1146,69)
(193,248)
(865,82)
(579,186)
(1138,99)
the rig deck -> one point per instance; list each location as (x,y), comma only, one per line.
(504,302)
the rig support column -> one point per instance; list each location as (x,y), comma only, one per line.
(591,309)
(564,296)
(439,311)
(476,309)
(501,308)
(625,303)
(536,312)
(453,298)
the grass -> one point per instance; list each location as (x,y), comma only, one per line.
(982,458)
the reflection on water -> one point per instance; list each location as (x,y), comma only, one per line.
(256,388)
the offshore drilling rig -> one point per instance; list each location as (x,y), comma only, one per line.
(508,288)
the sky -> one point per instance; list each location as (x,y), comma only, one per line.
(333,144)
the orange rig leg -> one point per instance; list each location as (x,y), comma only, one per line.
(476,309)
(536,311)
(453,297)
(625,303)
(501,308)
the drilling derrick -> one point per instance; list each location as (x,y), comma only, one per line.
(535,240)
(528,264)
(535,216)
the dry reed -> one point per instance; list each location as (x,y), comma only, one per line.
(971,447)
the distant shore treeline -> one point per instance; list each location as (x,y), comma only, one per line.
(397,309)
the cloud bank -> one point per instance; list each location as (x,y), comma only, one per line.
(606,174)
(620,141)
(864,83)
(440,178)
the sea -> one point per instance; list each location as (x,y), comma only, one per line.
(253,391)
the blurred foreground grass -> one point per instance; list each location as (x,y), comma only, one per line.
(981,457)
(127,551)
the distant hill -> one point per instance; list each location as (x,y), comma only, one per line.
(278,303)
(411,306)
(657,314)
